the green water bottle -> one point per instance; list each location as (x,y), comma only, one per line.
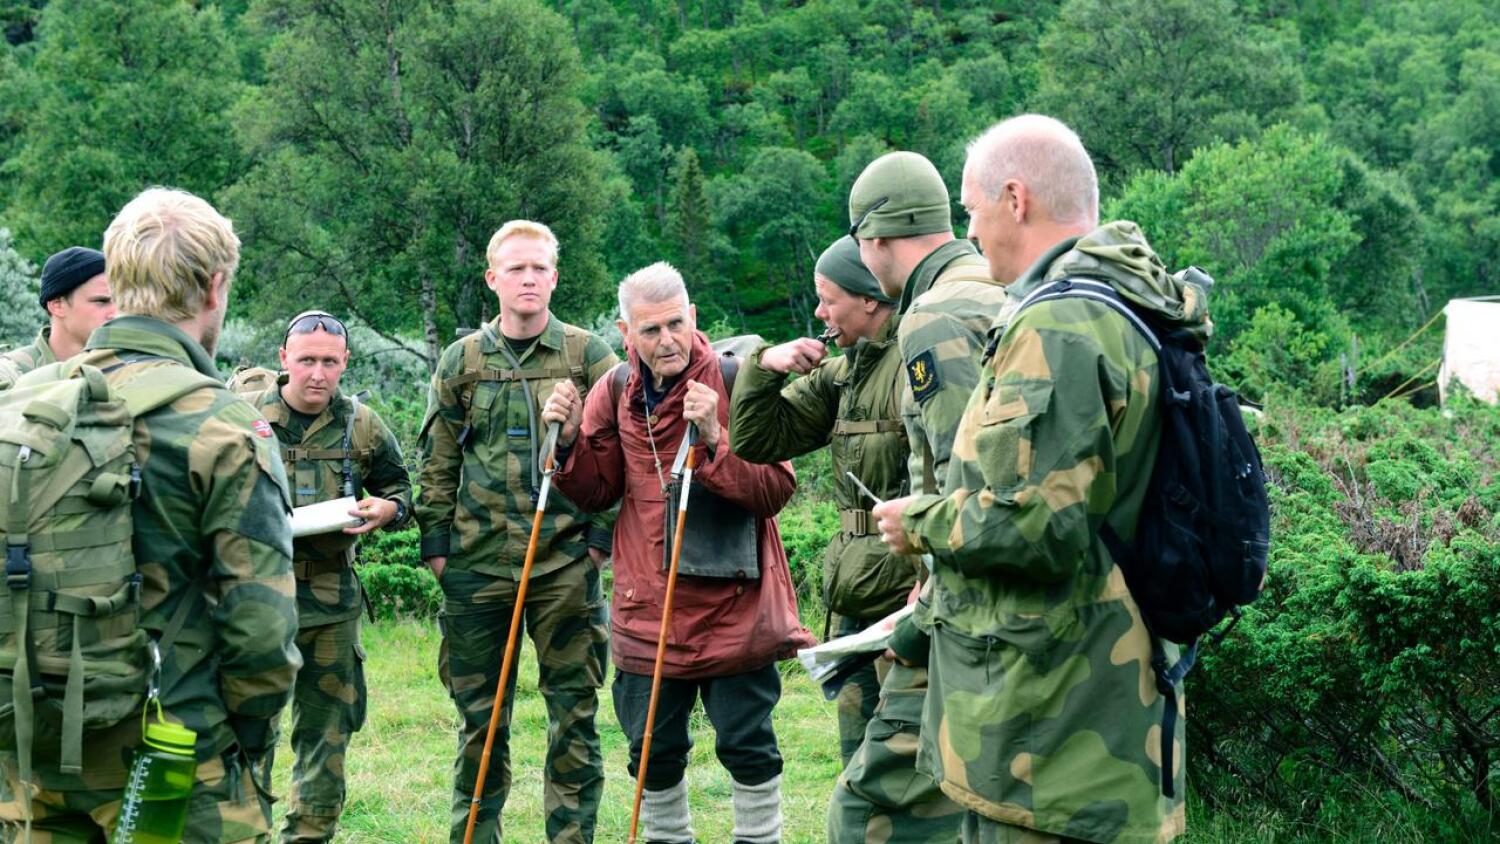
(159,788)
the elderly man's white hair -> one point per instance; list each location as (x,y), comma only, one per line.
(649,285)
(1047,157)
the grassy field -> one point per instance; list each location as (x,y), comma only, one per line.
(400,766)
(400,772)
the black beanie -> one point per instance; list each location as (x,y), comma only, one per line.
(68,270)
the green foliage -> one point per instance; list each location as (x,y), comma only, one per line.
(116,96)
(398,591)
(451,118)
(1149,81)
(1369,662)
(19,315)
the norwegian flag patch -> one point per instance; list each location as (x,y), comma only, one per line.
(262,428)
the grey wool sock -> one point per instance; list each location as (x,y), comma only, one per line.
(665,817)
(757,812)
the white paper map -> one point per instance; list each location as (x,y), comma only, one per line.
(1471,350)
(823,660)
(324,517)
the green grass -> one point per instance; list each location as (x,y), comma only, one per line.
(400,765)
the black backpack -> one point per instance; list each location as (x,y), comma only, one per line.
(1201,541)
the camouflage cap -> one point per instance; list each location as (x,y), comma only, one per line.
(900,194)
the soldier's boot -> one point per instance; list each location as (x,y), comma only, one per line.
(757,812)
(665,818)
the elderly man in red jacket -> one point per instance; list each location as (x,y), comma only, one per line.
(734,613)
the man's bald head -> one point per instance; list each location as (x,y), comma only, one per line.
(1048,158)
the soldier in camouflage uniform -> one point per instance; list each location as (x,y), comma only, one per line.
(211,528)
(332,446)
(1044,718)
(899,211)
(480,474)
(75,295)
(851,404)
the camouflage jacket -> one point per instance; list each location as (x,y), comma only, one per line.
(212,527)
(313,453)
(1043,710)
(947,306)
(851,404)
(18,362)
(481,468)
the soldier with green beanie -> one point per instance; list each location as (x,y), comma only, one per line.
(333,446)
(210,533)
(1044,716)
(481,473)
(899,212)
(851,404)
(75,296)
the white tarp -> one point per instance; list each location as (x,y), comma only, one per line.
(1471,349)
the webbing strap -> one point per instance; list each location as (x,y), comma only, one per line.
(929,475)
(69,540)
(857,522)
(507,375)
(18,579)
(1167,679)
(846,427)
(349,446)
(70,757)
(292,455)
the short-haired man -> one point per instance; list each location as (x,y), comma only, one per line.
(333,446)
(899,211)
(75,295)
(481,473)
(1043,718)
(852,404)
(734,612)
(212,536)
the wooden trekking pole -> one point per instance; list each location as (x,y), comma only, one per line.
(549,447)
(661,639)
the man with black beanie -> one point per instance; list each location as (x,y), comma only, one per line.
(75,295)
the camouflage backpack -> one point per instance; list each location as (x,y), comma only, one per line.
(73,655)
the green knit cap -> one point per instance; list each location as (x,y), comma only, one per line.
(899,195)
(840,264)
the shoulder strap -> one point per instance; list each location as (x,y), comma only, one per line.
(1082,288)
(617,378)
(575,349)
(349,445)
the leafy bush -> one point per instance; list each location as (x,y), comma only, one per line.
(400,591)
(1368,669)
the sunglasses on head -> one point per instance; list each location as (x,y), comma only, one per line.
(311,321)
(874,206)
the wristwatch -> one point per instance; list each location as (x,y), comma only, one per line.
(400,512)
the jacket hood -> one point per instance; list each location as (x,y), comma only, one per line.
(1117,253)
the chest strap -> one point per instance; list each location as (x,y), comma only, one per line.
(847,428)
(292,455)
(508,375)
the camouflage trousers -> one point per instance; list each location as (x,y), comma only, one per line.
(568,622)
(328,708)
(978,829)
(226,807)
(857,699)
(881,797)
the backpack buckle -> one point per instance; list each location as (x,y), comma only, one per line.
(18,566)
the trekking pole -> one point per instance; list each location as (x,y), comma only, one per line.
(661,639)
(549,447)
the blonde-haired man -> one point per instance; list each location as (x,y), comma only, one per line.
(211,536)
(482,442)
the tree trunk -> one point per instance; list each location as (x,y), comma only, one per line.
(429,320)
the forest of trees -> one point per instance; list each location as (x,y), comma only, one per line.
(1330,163)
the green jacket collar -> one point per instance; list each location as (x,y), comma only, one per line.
(1036,274)
(929,268)
(278,412)
(151,336)
(44,351)
(551,337)
(866,351)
